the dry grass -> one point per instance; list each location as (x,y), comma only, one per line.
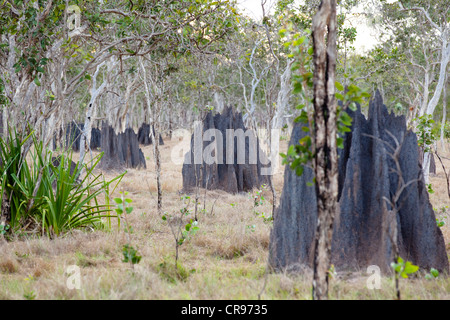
(226,259)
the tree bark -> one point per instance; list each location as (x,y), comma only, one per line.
(444,115)
(86,135)
(445,58)
(155,129)
(325,131)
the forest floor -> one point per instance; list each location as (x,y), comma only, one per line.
(225,259)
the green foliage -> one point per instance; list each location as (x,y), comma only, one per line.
(301,154)
(29,295)
(425,135)
(432,275)
(446,129)
(122,205)
(403,268)
(259,200)
(173,274)
(181,230)
(440,223)
(55,199)
(185,230)
(250,228)
(3,229)
(257,196)
(441,216)
(130,254)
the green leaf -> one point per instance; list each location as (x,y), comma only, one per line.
(118,200)
(340,143)
(434,272)
(396,266)
(339,96)
(352,106)
(36,81)
(299,41)
(297,88)
(339,86)
(129,210)
(346,119)
(299,170)
(410,268)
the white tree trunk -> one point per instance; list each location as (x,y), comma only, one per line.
(442,76)
(85,138)
(426,167)
(445,56)
(444,115)
(283,96)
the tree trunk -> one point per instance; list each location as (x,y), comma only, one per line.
(435,99)
(325,131)
(85,138)
(155,129)
(442,76)
(283,96)
(155,134)
(444,115)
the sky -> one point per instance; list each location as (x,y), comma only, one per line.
(365,39)
(253,7)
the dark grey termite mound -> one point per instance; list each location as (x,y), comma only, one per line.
(225,155)
(120,150)
(96,137)
(73,136)
(366,178)
(68,165)
(145,137)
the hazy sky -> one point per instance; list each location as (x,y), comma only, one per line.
(366,37)
(253,7)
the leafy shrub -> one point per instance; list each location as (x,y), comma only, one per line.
(49,196)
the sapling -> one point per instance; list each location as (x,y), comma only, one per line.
(181,231)
(130,254)
(259,200)
(402,269)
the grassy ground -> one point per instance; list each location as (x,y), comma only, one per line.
(226,259)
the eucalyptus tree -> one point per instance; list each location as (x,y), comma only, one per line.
(420,31)
(34,57)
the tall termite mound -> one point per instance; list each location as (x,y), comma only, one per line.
(368,179)
(145,136)
(225,155)
(120,150)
